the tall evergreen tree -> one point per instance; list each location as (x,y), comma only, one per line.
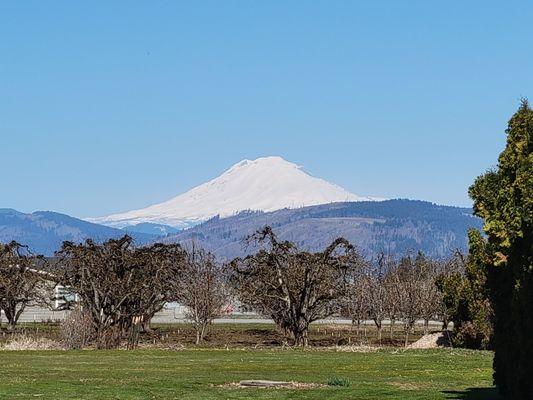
(465,295)
(503,197)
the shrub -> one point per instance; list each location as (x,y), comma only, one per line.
(466,297)
(77,330)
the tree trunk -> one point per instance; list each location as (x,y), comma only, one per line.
(407,329)
(391,327)
(379,327)
(145,326)
(301,337)
(135,329)
(12,316)
(201,331)
(197,335)
(426,326)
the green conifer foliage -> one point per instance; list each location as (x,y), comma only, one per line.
(466,298)
(503,197)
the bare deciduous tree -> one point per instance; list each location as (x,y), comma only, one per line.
(407,291)
(391,300)
(430,296)
(355,303)
(120,287)
(201,288)
(377,292)
(19,281)
(293,287)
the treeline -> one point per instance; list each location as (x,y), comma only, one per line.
(114,288)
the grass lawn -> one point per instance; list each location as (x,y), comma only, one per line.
(195,374)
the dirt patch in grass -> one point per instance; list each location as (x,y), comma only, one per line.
(285,385)
(432,341)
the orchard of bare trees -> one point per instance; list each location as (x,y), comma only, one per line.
(397,291)
(113,289)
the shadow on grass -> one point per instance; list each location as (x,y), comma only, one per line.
(473,394)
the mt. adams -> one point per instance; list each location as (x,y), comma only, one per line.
(265,184)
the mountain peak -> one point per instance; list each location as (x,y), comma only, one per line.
(265,184)
(265,162)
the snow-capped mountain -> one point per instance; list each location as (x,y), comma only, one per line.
(265,184)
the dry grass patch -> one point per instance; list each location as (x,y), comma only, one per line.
(23,342)
(355,349)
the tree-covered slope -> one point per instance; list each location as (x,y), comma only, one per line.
(45,231)
(392,226)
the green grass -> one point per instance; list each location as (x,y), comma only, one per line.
(195,374)
(336,381)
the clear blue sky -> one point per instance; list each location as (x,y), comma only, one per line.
(109,106)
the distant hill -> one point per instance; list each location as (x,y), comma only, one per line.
(392,226)
(45,231)
(152,229)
